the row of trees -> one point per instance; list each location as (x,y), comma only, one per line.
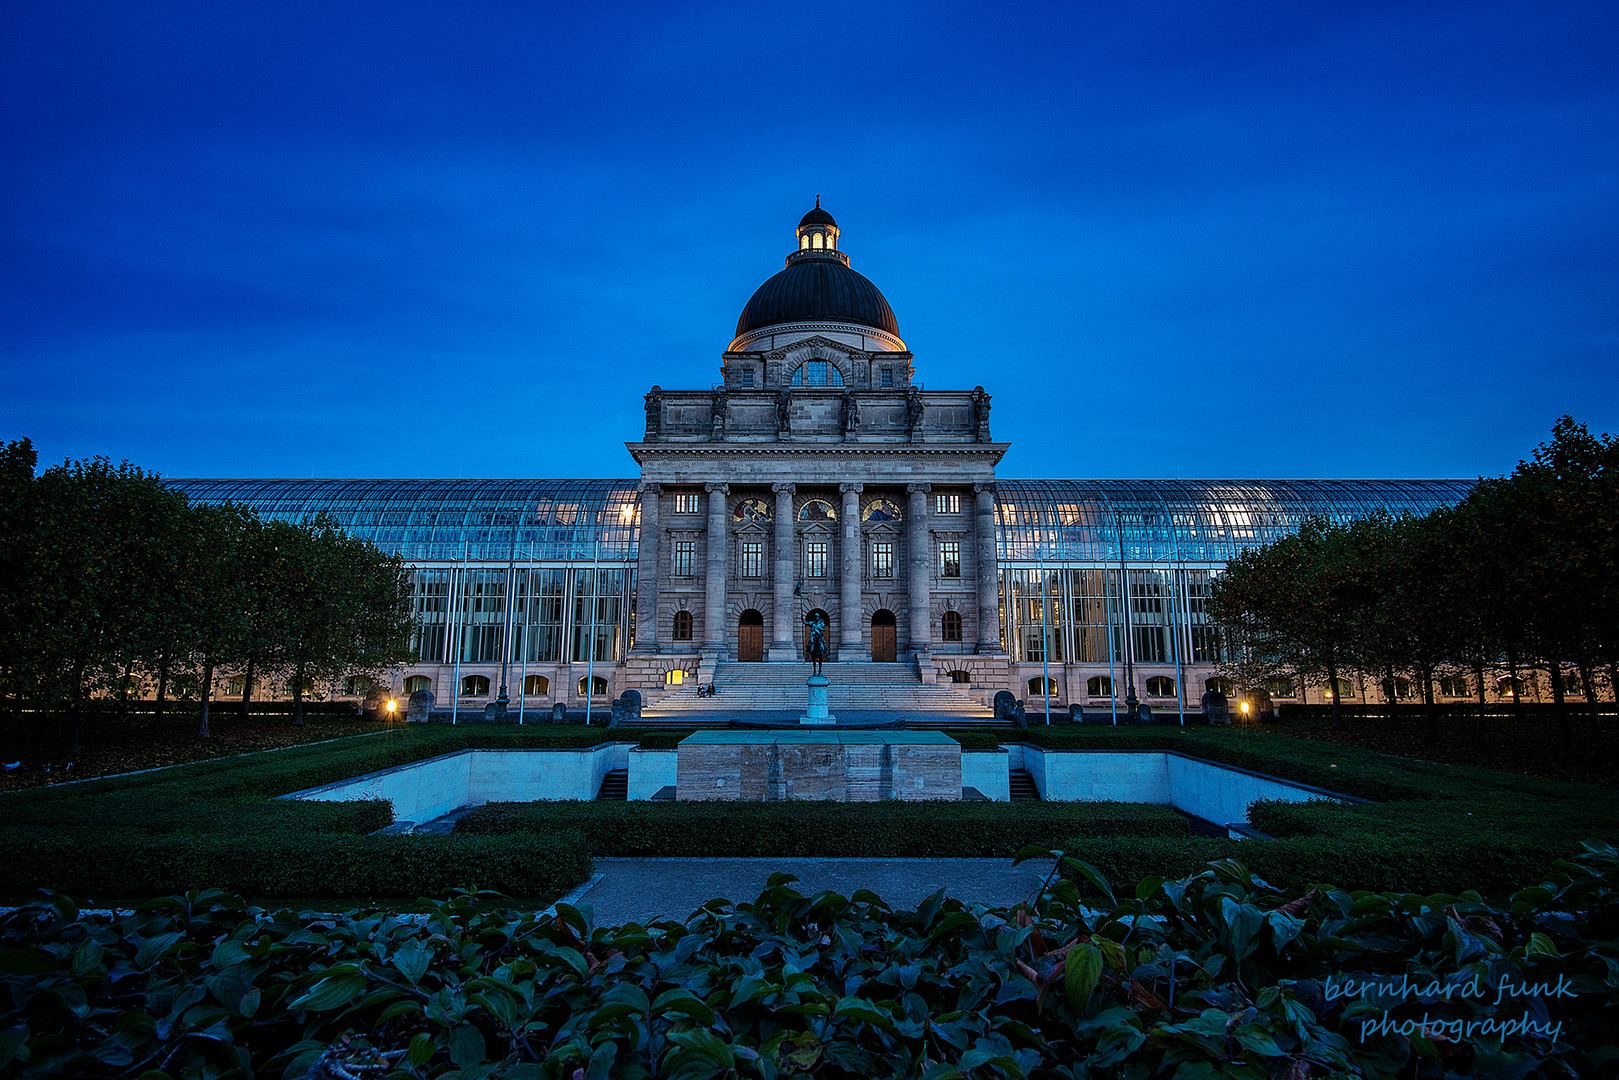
(1522,575)
(108,577)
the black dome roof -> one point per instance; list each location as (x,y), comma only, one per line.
(814,289)
(817,216)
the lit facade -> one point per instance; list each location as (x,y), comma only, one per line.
(818,478)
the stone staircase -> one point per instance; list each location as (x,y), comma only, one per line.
(615,786)
(779,688)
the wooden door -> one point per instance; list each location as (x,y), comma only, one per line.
(750,638)
(882,637)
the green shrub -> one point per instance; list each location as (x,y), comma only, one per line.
(831,829)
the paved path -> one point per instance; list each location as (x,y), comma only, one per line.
(644,890)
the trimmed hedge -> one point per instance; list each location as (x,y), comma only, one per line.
(830,829)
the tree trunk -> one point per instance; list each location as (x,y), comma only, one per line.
(1388,691)
(1337,704)
(1478,675)
(162,688)
(1590,687)
(1565,735)
(247,686)
(123,693)
(298,697)
(207,696)
(1512,674)
(1430,721)
(73,706)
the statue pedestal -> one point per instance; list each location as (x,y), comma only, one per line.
(817,713)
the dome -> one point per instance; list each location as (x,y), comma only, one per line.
(816,290)
(817,216)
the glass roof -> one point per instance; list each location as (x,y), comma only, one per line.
(1197,521)
(1186,520)
(445,520)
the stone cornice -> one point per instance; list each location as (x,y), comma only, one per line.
(642,450)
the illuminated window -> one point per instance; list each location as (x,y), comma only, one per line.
(674,677)
(815,241)
(1453,687)
(886,378)
(815,559)
(950,559)
(685,551)
(882,560)
(803,243)
(536,686)
(597,686)
(753,559)
(947,504)
(1160,686)
(686,503)
(951,627)
(1099,686)
(418,683)
(1042,687)
(474,686)
(682,626)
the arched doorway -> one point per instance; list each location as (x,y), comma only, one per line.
(804,631)
(882,636)
(750,637)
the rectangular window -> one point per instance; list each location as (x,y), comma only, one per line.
(950,559)
(815,559)
(882,560)
(686,503)
(887,378)
(947,504)
(685,552)
(746,378)
(753,559)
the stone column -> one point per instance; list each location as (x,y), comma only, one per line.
(646,573)
(714,628)
(989,587)
(919,543)
(849,574)
(784,621)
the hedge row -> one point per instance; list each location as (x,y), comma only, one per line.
(114,864)
(831,829)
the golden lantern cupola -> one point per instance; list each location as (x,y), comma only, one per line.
(818,237)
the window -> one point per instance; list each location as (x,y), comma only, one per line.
(803,242)
(817,373)
(682,626)
(815,559)
(474,686)
(597,685)
(356,686)
(951,629)
(950,559)
(882,560)
(686,502)
(237,686)
(1344,689)
(418,684)
(947,504)
(753,558)
(817,510)
(292,686)
(1160,686)
(1042,688)
(882,510)
(1280,686)
(816,241)
(685,551)
(1218,685)
(745,377)
(536,686)
(1454,686)
(960,677)
(886,378)
(1396,689)
(1099,686)
(674,677)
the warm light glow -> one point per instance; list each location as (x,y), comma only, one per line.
(392,705)
(1245,708)
(1329,695)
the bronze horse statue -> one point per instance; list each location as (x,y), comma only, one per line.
(816,649)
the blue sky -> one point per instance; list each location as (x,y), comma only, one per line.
(405,239)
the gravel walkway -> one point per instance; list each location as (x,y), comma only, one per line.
(644,890)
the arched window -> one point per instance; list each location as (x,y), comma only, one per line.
(951,629)
(803,242)
(882,510)
(816,241)
(751,510)
(597,685)
(1281,686)
(682,626)
(356,686)
(417,683)
(474,686)
(1219,685)
(817,373)
(1160,686)
(960,677)
(1099,686)
(1041,688)
(536,686)
(817,510)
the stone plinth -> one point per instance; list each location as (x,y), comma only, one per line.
(817,713)
(854,766)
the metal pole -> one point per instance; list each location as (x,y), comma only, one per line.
(1129,645)
(455,701)
(528,584)
(1175,615)
(506,630)
(1107,619)
(590,646)
(1045,635)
